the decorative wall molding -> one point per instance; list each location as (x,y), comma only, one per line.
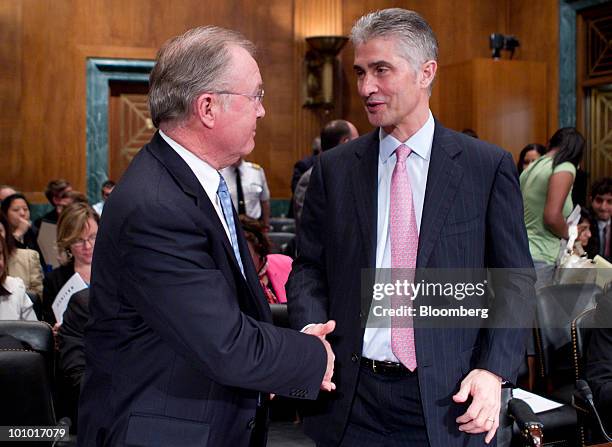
(99,73)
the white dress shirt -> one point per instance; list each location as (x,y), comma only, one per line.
(377,340)
(17,305)
(206,175)
(254,187)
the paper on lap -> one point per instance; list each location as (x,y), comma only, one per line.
(73,285)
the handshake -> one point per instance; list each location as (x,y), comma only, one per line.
(321,330)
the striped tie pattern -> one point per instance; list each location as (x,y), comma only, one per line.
(226,205)
(404,245)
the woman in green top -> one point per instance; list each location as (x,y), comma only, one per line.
(546,186)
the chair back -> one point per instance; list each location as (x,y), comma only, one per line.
(556,307)
(581,335)
(282,243)
(25,387)
(282,224)
(280,315)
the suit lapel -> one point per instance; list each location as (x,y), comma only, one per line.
(443,180)
(189,183)
(365,187)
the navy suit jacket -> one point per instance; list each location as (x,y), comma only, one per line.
(179,344)
(472,218)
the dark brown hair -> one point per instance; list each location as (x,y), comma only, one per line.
(254,233)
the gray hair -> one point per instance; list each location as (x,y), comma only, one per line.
(189,65)
(416,39)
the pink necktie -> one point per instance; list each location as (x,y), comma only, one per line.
(404,246)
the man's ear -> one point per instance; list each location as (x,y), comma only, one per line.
(428,73)
(206,109)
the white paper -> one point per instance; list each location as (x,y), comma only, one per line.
(537,403)
(574,216)
(73,285)
(47,235)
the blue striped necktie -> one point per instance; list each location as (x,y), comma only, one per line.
(226,205)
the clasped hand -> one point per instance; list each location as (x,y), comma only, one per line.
(320,330)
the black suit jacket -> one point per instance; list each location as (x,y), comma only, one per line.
(179,344)
(592,247)
(52,284)
(472,218)
(599,360)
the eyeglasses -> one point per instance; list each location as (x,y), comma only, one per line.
(81,242)
(258,98)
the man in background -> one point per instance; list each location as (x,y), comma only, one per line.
(249,190)
(334,133)
(57,193)
(107,188)
(600,242)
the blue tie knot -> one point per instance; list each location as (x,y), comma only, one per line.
(222,185)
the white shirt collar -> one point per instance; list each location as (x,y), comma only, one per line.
(420,143)
(601,224)
(207,175)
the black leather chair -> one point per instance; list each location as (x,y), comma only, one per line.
(589,430)
(26,376)
(280,316)
(282,243)
(556,307)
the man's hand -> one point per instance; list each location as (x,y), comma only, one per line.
(321,330)
(483,413)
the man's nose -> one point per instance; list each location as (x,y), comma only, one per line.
(367,86)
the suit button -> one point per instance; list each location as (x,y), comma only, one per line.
(251,424)
(354,357)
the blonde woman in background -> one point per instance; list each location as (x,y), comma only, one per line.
(76,236)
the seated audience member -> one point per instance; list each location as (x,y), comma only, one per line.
(76,236)
(107,188)
(56,195)
(334,133)
(601,209)
(529,154)
(16,209)
(584,233)
(272,269)
(22,262)
(599,359)
(14,302)
(5,191)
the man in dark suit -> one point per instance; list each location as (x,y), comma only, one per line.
(409,194)
(600,242)
(180,349)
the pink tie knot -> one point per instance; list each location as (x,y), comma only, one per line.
(402,152)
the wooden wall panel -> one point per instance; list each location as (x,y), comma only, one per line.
(10,88)
(536,24)
(45,42)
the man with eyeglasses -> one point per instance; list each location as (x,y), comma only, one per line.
(180,346)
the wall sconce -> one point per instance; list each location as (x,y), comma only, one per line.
(320,66)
